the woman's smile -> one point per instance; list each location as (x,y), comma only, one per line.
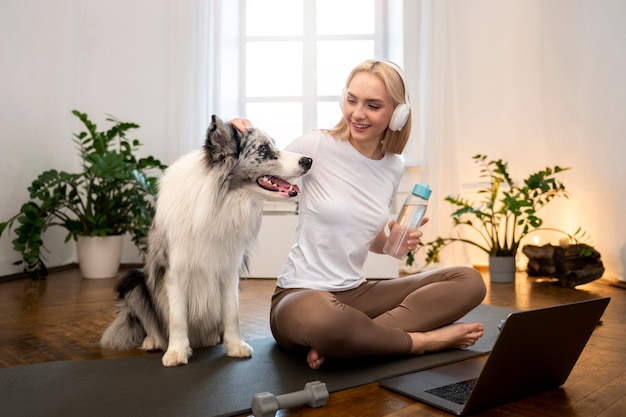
(368,108)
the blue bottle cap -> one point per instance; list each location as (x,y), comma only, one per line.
(422,190)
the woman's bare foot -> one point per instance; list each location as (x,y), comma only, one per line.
(314,359)
(456,335)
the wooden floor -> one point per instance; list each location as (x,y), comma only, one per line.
(63,317)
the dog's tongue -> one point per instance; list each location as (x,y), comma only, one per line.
(278,185)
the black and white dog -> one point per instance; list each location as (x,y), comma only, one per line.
(208,214)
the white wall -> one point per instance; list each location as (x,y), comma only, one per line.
(38,89)
(98,57)
(585,121)
(538,83)
(541,83)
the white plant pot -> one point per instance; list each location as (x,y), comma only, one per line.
(502,269)
(99,257)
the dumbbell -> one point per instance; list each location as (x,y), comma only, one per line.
(265,404)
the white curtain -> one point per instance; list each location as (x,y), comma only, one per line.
(188,69)
(438,136)
(203,69)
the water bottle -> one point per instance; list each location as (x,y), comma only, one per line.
(410,217)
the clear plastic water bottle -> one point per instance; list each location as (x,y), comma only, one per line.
(410,217)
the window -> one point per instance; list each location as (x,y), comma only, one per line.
(296,56)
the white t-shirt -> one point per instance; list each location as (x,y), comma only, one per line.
(344,204)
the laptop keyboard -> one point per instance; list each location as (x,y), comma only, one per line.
(458,393)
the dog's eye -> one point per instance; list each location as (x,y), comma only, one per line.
(263,149)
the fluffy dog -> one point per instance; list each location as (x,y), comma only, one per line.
(208,214)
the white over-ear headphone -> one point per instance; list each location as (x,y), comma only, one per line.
(402,111)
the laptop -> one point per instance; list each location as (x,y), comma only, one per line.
(535,352)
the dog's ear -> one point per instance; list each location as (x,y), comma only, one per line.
(222,139)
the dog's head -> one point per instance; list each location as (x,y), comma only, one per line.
(251,161)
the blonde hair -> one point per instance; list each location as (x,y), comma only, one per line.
(392,141)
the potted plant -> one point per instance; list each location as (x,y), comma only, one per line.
(505,214)
(112,195)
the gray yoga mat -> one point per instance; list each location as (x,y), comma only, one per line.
(212,384)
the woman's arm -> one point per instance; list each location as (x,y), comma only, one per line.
(379,242)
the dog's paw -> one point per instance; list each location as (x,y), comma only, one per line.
(150,344)
(239,350)
(176,357)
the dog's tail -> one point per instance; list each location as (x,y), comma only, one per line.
(136,313)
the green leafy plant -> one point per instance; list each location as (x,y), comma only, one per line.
(505,214)
(112,195)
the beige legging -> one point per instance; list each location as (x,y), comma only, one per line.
(374,318)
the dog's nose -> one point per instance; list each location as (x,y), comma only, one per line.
(306,162)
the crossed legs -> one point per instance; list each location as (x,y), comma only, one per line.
(414,314)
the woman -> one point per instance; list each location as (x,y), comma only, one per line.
(322,301)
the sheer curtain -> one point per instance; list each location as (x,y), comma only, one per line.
(203,69)
(437,119)
(188,69)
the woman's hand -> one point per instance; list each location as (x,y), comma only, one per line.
(241,125)
(411,243)
(413,238)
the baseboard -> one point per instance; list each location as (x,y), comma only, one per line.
(60,268)
(614,282)
(22,275)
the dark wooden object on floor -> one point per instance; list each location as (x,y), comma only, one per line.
(572,265)
(62,319)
